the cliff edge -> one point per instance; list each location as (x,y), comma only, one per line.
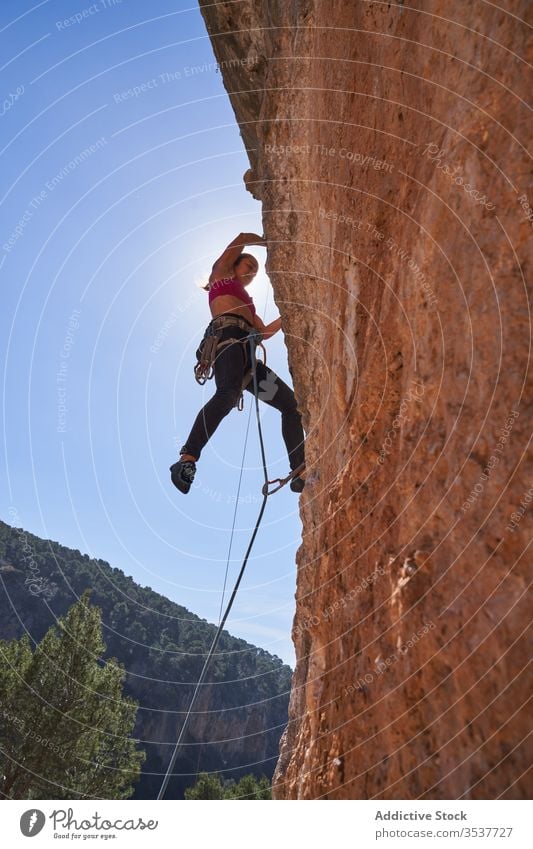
(388,147)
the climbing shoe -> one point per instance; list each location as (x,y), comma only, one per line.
(182,475)
(297,484)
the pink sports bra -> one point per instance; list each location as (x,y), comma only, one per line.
(231,286)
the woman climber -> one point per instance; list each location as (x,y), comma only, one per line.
(234,316)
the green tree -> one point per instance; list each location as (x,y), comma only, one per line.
(213,787)
(64,723)
(207,787)
(249,787)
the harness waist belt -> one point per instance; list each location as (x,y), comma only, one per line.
(222,321)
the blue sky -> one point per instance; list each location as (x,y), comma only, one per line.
(121,182)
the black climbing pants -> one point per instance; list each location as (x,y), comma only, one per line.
(231,364)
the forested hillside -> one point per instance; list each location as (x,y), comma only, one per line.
(243,709)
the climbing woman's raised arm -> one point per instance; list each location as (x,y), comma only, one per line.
(225,262)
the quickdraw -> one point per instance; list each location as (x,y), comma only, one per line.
(206,355)
(281,481)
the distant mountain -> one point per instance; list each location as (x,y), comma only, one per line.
(242,709)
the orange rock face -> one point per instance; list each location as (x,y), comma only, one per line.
(388,147)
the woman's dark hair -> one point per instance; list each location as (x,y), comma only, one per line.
(207,287)
(245,256)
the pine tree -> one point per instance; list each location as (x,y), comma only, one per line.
(213,787)
(207,787)
(249,787)
(64,723)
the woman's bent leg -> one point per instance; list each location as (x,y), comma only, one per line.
(274,392)
(229,369)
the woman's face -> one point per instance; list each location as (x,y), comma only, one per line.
(246,269)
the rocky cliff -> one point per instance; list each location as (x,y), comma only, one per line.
(387,143)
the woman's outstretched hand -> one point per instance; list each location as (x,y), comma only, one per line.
(267,330)
(250,239)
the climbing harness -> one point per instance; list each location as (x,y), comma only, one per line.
(212,344)
(252,339)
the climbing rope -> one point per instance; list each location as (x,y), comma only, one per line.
(232,532)
(253,341)
(240,407)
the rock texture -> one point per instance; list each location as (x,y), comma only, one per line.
(387,143)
